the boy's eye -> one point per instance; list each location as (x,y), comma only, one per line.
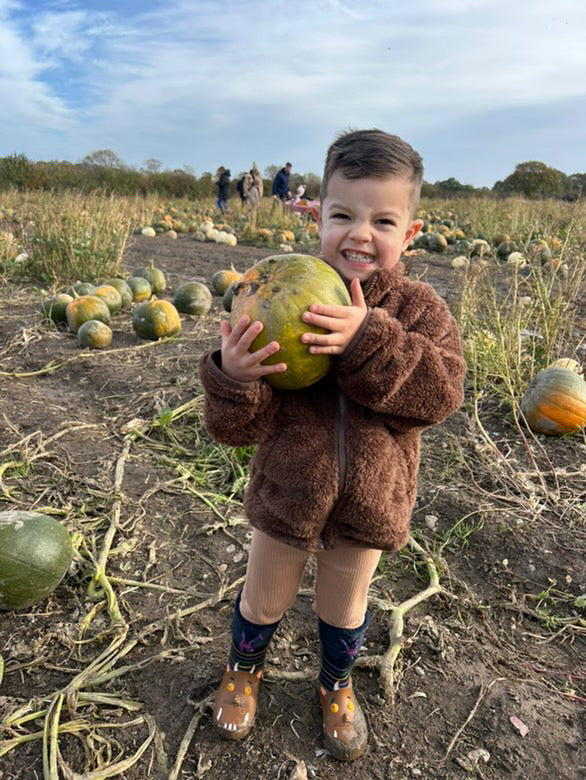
(386,221)
(339,215)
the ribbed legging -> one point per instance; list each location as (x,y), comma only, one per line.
(275,570)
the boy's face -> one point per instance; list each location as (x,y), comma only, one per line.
(365,224)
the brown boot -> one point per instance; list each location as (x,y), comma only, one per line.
(345,731)
(235,704)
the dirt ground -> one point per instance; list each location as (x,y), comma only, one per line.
(502,641)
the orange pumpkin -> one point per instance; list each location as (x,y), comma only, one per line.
(221,280)
(555,401)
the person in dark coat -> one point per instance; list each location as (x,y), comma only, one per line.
(222,181)
(280,188)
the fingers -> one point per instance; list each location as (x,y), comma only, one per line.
(237,359)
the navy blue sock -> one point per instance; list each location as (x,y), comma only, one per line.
(249,642)
(339,650)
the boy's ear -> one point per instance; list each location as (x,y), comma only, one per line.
(412,230)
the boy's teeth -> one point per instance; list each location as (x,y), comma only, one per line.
(356,257)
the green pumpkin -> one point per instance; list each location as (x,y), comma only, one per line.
(94,334)
(54,307)
(228,298)
(156,319)
(81,288)
(277,291)
(110,296)
(193,298)
(154,276)
(141,288)
(123,288)
(437,242)
(35,553)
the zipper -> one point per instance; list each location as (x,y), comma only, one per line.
(341,431)
(341,452)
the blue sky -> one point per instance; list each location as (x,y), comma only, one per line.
(476,86)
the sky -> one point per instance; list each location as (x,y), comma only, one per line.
(476,86)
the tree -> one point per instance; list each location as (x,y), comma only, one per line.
(103,158)
(534,180)
(152,165)
(576,186)
(271,171)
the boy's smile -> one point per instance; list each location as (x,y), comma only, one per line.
(366,223)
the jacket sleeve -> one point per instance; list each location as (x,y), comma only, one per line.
(409,367)
(236,413)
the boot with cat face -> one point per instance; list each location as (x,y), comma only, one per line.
(234,707)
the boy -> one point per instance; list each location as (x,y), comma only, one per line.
(336,465)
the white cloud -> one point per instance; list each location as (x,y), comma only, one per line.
(148,83)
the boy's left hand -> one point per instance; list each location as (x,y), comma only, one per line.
(342,322)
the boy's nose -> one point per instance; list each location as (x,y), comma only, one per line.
(361,231)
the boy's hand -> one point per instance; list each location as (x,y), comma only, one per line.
(237,360)
(343,323)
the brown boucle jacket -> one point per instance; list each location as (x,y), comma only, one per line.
(336,463)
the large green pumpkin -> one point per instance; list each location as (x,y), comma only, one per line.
(277,291)
(35,553)
(193,298)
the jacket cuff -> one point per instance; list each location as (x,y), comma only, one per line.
(373,332)
(220,384)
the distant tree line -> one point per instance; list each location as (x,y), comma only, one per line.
(104,171)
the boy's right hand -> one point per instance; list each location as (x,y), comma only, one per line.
(237,360)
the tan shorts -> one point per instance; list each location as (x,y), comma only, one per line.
(275,570)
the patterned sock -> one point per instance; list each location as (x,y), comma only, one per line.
(249,642)
(339,650)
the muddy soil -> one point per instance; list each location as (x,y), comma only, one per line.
(487,654)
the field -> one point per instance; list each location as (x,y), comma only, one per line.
(113,675)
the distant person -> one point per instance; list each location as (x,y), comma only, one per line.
(242,186)
(299,194)
(281,183)
(255,190)
(222,182)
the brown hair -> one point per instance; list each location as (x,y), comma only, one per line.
(361,153)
